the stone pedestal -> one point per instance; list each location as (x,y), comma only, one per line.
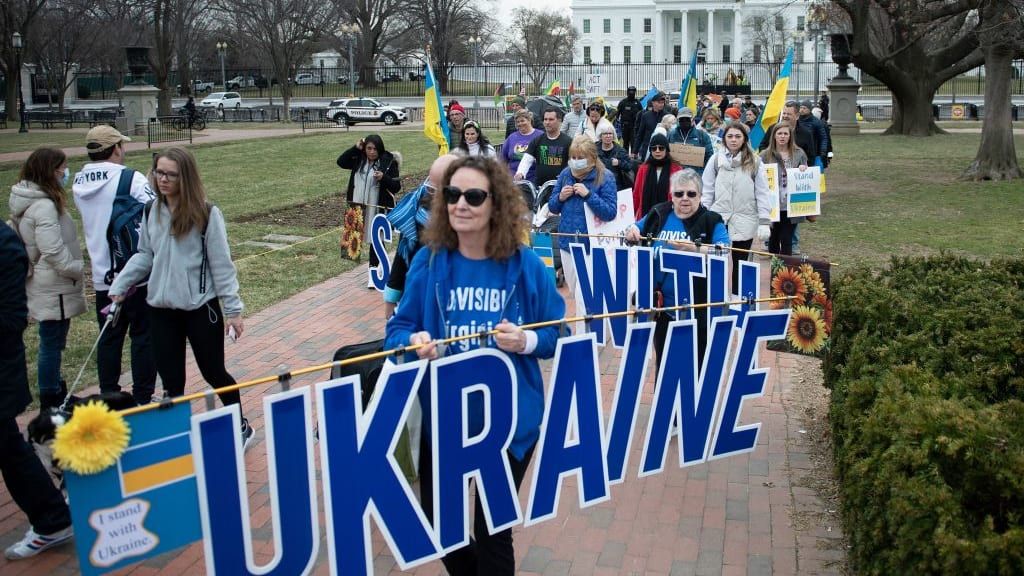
(139,101)
(842,113)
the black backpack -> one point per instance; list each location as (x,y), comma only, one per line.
(124,227)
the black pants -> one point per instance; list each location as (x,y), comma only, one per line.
(133,321)
(781,241)
(486,554)
(737,257)
(661,332)
(627,136)
(29,484)
(204,330)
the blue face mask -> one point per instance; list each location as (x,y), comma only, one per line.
(64,179)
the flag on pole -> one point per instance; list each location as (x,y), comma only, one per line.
(773,107)
(688,89)
(435,124)
(568,95)
(522,89)
(553,89)
(647,97)
(499,93)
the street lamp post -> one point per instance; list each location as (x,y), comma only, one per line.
(222,48)
(475,41)
(16,43)
(349,32)
(815,26)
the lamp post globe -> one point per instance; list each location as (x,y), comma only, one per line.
(222,48)
(348,31)
(474,42)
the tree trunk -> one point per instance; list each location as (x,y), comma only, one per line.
(912,109)
(997,154)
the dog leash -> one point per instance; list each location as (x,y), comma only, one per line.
(113,315)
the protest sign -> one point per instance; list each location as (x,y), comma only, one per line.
(771,174)
(687,154)
(380,232)
(623,219)
(596,85)
(807,281)
(804,188)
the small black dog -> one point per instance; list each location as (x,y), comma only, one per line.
(43,428)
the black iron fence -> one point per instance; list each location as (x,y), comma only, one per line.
(68,118)
(482,82)
(314,118)
(168,129)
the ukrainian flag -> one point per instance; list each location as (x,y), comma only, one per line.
(542,244)
(155,464)
(435,124)
(773,108)
(688,89)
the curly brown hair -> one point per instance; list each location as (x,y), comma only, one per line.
(508,226)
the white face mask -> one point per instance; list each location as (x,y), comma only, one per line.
(64,179)
(577,164)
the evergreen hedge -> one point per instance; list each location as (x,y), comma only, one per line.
(927,375)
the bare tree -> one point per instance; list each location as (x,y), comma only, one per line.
(767,35)
(379,23)
(447,26)
(67,36)
(539,39)
(15,16)
(191,23)
(283,30)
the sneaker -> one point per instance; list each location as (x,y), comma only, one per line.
(247,434)
(33,543)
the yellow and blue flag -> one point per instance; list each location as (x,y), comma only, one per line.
(435,124)
(688,88)
(773,107)
(647,97)
(156,463)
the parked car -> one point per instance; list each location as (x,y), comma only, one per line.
(352,110)
(414,76)
(391,78)
(306,78)
(197,87)
(222,100)
(241,82)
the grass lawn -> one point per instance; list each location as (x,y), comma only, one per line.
(886,196)
(12,141)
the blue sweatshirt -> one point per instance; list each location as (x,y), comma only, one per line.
(603,200)
(435,301)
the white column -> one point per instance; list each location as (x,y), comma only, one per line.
(685,23)
(711,35)
(659,36)
(737,36)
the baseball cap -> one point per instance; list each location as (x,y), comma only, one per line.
(659,95)
(685,112)
(102,137)
(519,100)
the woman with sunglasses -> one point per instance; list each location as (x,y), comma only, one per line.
(193,285)
(736,187)
(474,246)
(651,186)
(595,121)
(474,143)
(681,224)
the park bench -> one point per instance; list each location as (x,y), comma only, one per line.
(49,119)
(97,117)
(3,119)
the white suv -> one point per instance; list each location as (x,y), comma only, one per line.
(307,78)
(222,100)
(352,110)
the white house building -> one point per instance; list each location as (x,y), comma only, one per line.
(667,31)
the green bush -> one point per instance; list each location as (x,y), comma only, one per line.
(927,375)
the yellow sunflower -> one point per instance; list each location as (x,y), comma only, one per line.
(826,307)
(806,331)
(813,280)
(351,243)
(92,440)
(789,283)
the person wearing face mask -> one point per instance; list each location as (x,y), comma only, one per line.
(56,292)
(732,114)
(584,181)
(652,177)
(686,133)
(629,110)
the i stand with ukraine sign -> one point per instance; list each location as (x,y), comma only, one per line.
(182,477)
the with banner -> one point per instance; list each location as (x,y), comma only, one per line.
(806,280)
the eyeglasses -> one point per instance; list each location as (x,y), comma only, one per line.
(657,147)
(429,188)
(682,193)
(169,176)
(474,196)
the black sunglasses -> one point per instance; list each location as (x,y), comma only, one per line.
(681,193)
(473,196)
(657,147)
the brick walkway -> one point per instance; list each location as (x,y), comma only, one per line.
(732,516)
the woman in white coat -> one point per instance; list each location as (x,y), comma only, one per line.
(736,188)
(54,287)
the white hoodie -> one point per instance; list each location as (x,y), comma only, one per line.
(94,189)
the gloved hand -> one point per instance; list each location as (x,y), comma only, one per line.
(764,232)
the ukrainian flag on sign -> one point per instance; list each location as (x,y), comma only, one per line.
(155,464)
(541,244)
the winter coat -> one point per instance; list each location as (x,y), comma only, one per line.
(817,128)
(644,130)
(54,287)
(694,137)
(353,158)
(642,174)
(14,393)
(623,176)
(795,161)
(739,197)
(592,131)
(603,200)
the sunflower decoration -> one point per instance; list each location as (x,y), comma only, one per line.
(92,440)
(351,244)
(823,302)
(788,282)
(807,332)
(812,279)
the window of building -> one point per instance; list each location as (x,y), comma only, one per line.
(647,54)
(647,25)
(677,25)
(627,54)
(700,25)
(758,55)
(780,22)
(800,23)
(726,53)
(677,54)
(627,25)
(586,25)
(586,54)
(798,53)
(607,25)
(607,54)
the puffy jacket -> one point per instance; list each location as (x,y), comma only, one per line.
(740,198)
(603,200)
(694,137)
(55,289)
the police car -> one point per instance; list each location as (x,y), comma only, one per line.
(352,110)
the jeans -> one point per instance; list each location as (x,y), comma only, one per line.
(134,322)
(53,336)
(796,240)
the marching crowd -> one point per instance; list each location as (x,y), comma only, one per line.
(163,275)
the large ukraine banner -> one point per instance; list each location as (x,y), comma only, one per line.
(182,477)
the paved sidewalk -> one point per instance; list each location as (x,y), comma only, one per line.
(733,516)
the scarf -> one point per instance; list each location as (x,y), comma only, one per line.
(407,216)
(655,185)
